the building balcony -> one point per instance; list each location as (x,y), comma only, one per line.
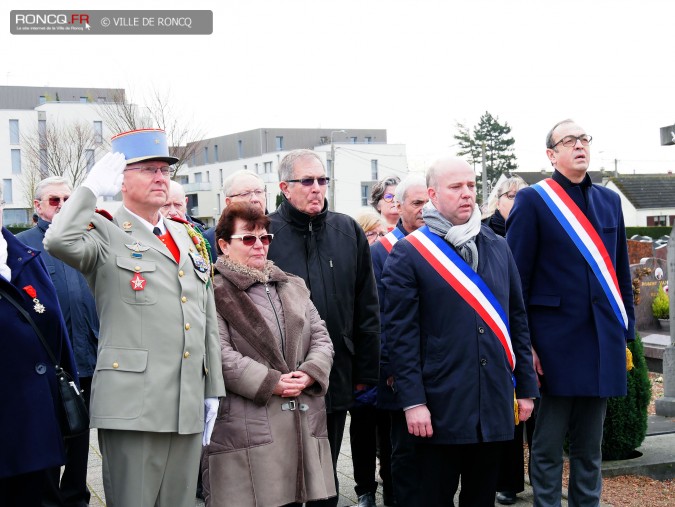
(202,186)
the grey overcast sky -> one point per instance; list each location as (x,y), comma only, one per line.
(414,67)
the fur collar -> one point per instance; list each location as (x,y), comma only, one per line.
(243,276)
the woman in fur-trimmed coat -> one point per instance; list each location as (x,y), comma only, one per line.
(269,446)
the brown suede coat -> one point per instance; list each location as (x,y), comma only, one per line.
(260,453)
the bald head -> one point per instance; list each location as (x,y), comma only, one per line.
(452,189)
(176,202)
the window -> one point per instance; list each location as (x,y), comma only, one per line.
(268,167)
(220,205)
(208,176)
(89,157)
(661,220)
(373,170)
(365,193)
(240,149)
(198,177)
(257,168)
(14,132)
(7,191)
(369,139)
(43,161)
(215,153)
(16,163)
(183,180)
(98,132)
(352,140)
(83,100)
(206,154)
(280,143)
(42,99)
(100,100)
(221,176)
(42,132)
(194,159)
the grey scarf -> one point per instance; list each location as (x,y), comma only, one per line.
(462,237)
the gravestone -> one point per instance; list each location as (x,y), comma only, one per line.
(638,250)
(647,277)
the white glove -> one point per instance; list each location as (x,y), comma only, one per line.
(210,413)
(105,178)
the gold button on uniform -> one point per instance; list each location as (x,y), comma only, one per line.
(187,326)
(186,355)
(137,268)
(116,364)
(181,273)
(183,299)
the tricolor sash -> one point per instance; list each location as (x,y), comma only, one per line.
(586,239)
(389,240)
(466,282)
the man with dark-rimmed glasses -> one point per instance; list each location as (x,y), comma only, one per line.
(331,253)
(158,375)
(568,238)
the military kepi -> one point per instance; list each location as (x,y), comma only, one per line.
(143,144)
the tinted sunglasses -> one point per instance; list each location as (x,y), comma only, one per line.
(55,201)
(250,239)
(308,182)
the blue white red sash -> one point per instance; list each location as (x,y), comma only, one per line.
(586,239)
(466,282)
(389,240)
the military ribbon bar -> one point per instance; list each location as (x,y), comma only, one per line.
(390,239)
(466,282)
(586,239)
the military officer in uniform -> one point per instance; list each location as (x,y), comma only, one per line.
(158,375)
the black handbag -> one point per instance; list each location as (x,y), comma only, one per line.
(75,420)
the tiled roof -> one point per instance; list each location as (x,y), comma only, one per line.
(647,190)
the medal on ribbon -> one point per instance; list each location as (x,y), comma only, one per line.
(138,282)
(38,307)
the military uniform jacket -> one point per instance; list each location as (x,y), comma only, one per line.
(159,351)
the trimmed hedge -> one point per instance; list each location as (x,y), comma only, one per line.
(654,232)
(16,229)
(626,420)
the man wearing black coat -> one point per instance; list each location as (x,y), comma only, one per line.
(330,252)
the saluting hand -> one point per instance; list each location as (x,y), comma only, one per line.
(105,178)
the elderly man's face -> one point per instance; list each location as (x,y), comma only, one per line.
(143,188)
(454,195)
(175,205)
(306,198)
(411,207)
(248,188)
(51,200)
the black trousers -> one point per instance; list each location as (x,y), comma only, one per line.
(336,428)
(70,489)
(368,427)
(404,465)
(441,467)
(23,490)
(512,464)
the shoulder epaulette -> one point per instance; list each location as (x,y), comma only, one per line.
(179,220)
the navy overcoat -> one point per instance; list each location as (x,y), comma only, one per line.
(580,342)
(30,435)
(444,354)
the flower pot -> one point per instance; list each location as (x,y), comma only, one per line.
(665,324)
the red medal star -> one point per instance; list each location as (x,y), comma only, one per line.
(138,282)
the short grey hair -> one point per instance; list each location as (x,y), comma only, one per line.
(287,163)
(232,178)
(412,180)
(549,136)
(52,180)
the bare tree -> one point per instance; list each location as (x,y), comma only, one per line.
(59,149)
(183,137)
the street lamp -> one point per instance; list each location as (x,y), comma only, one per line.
(331,183)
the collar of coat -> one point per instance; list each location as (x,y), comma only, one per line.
(299,218)
(245,318)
